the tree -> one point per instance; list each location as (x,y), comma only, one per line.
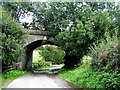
(13,39)
(91,27)
(17,8)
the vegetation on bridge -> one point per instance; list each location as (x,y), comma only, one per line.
(76,26)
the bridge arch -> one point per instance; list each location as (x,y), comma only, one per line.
(27,61)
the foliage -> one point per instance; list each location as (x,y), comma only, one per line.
(52,54)
(13,74)
(47,56)
(86,77)
(86,60)
(56,15)
(105,55)
(90,27)
(38,61)
(13,39)
(0,81)
(17,8)
(41,64)
(74,44)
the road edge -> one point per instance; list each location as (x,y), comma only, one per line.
(71,83)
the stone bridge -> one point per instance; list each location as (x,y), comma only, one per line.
(34,35)
(34,40)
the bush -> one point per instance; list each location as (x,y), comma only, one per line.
(110,80)
(34,65)
(105,55)
(86,60)
(13,39)
(52,54)
(0,81)
(41,64)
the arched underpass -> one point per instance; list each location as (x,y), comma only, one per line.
(27,62)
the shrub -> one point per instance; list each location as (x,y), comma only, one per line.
(110,80)
(13,39)
(52,54)
(105,55)
(86,60)
(34,65)
(41,64)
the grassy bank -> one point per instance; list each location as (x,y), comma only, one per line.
(86,77)
(10,76)
(100,68)
(0,81)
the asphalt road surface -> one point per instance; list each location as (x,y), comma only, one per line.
(41,81)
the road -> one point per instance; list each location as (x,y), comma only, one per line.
(40,81)
(33,80)
(45,78)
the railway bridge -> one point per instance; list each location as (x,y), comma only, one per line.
(34,40)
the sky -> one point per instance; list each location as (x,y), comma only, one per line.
(26,18)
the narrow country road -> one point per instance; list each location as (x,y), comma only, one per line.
(40,81)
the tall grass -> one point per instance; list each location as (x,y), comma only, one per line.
(0,81)
(105,55)
(11,75)
(86,77)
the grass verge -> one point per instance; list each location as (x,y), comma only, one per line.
(86,77)
(10,76)
(0,81)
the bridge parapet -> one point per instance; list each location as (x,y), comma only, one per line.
(34,35)
(32,38)
(35,32)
